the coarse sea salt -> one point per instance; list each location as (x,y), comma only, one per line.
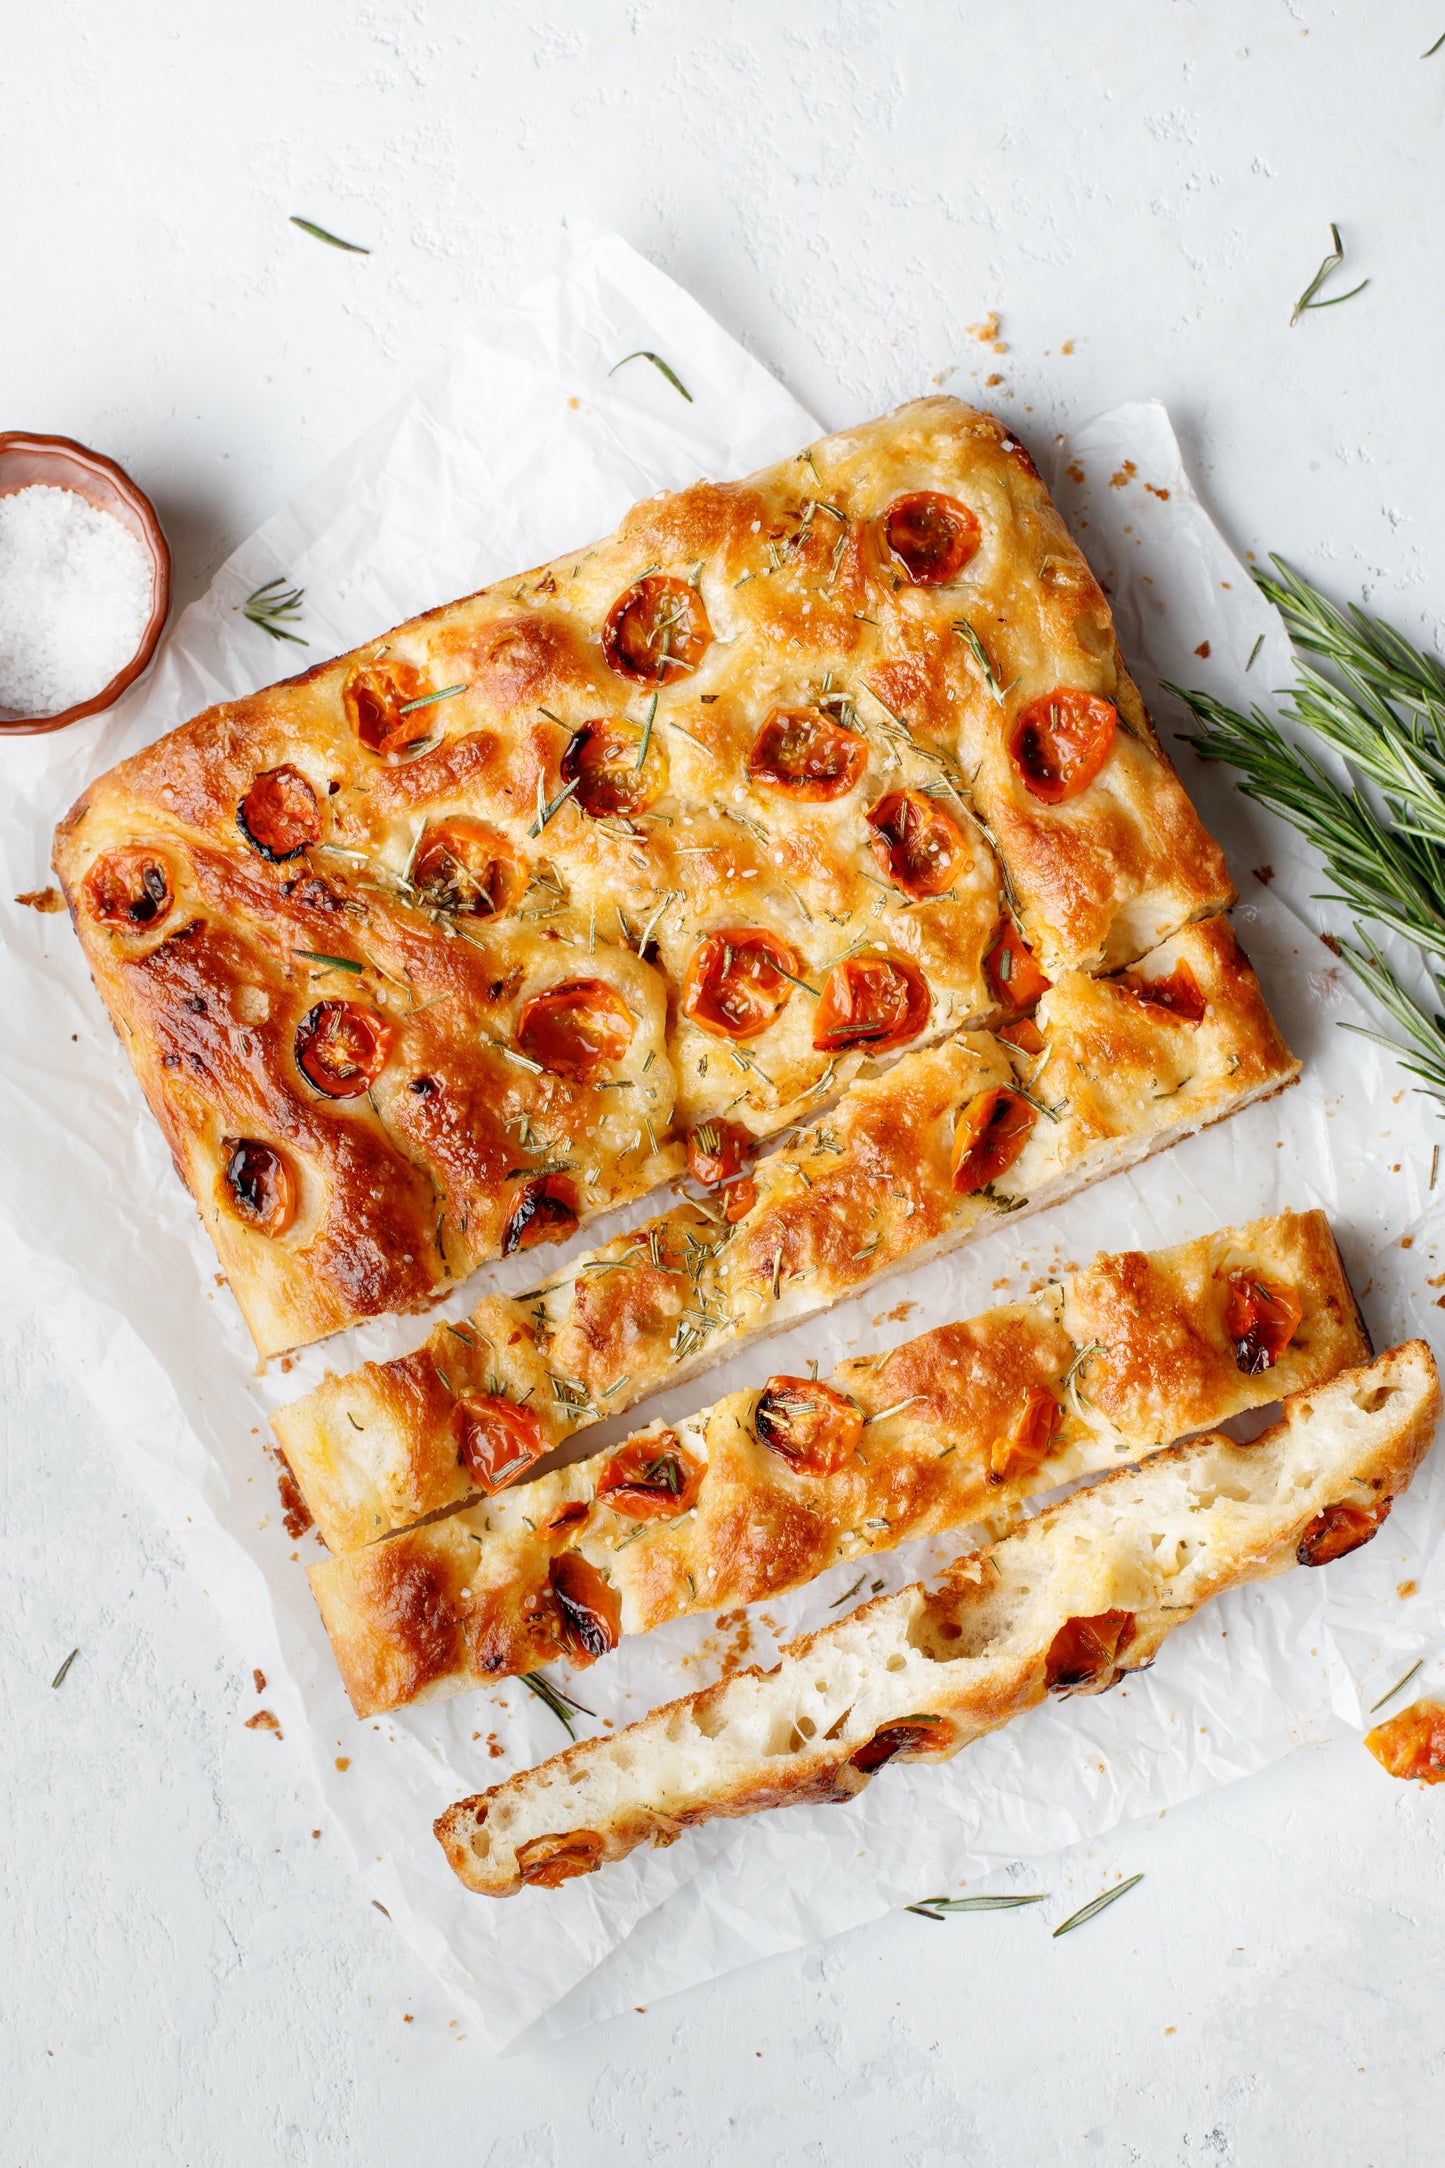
(75,593)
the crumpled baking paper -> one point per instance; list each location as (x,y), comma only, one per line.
(521,445)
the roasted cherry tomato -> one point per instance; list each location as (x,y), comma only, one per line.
(496,1439)
(1023,1033)
(1261,1319)
(617,767)
(717,1152)
(739,982)
(1060,742)
(916,843)
(804,754)
(932,537)
(279,815)
(657,631)
(547,1862)
(650,1479)
(814,1429)
(1412,1744)
(590,1608)
(341,1048)
(1084,1654)
(991,1132)
(387,706)
(1013,976)
(1180,993)
(129,888)
(872,1001)
(576,1029)
(462,868)
(910,1735)
(1339,1530)
(545,1211)
(261,1184)
(1025,1445)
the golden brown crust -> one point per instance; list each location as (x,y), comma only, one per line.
(1121,1358)
(474,713)
(927,1671)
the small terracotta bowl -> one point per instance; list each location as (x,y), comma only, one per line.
(64,464)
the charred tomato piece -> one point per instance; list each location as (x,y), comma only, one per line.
(462,868)
(910,1735)
(739,982)
(650,1479)
(1084,1654)
(1261,1318)
(991,1132)
(872,1001)
(1180,994)
(261,1184)
(931,537)
(618,769)
(130,889)
(1339,1530)
(1060,742)
(718,1152)
(589,1608)
(576,1029)
(545,1211)
(1014,979)
(496,1439)
(341,1048)
(803,754)
(657,631)
(916,843)
(1412,1744)
(279,815)
(1026,1444)
(812,1428)
(548,1862)
(1023,1033)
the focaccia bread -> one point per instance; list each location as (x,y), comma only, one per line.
(1113,1069)
(1069,1603)
(444,946)
(765,1490)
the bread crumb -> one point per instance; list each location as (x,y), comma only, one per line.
(1075,472)
(1405,1590)
(1067,347)
(987,331)
(1264,875)
(42,899)
(260,1679)
(992,379)
(263,1720)
(343,1762)
(1124,475)
(1161,494)
(1202,651)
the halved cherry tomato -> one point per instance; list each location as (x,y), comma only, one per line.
(739,982)
(279,815)
(717,1152)
(1025,1446)
(374,698)
(873,1001)
(804,754)
(1412,1744)
(738,1199)
(1060,742)
(545,1211)
(462,868)
(342,1048)
(814,1429)
(1084,1654)
(1023,1033)
(992,1130)
(904,1737)
(916,843)
(651,1479)
(1013,976)
(261,1183)
(576,1029)
(1180,993)
(591,1609)
(496,1439)
(547,1862)
(656,631)
(1339,1530)
(603,760)
(129,888)
(931,536)
(1261,1318)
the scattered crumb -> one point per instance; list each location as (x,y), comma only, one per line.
(1167,2030)
(260,1679)
(381,1907)
(1264,875)
(574,403)
(263,1720)
(494,1745)
(315,1832)
(1125,474)
(1331,944)
(294,1510)
(407,2018)
(1075,472)
(1202,651)
(896,1315)
(42,899)
(343,1763)
(993,378)
(288,1364)
(1161,494)
(1407,1242)
(1067,347)
(987,331)
(1405,1590)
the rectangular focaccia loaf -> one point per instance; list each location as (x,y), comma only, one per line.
(1068,1603)
(446,945)
(1123,1067)
(764,1491)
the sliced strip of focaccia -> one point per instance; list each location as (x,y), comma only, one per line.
(765,1490)
(445,945)
(1068,1603)
(905,1167)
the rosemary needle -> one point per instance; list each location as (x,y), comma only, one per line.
(1096,1906)
(932,1907)
(560,1704)
(1399,1683)
(275,607)
(59,1679)
(332,240)
(1329,265)
(644,353)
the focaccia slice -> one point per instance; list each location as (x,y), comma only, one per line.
(1069,1603)
(765,1490)
(1113,1069)
(446,945)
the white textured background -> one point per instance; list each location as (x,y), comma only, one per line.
(188,1974)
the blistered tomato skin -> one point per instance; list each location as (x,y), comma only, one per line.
(907,1736)
(1412,1744)
(130,889)
(1014,979)
(545,1211)
(589,1609)
(717,1152)
(341,1048)
(651,1479)
(496,1439)
(461,868)
(657,631)
(804,755)
(1084,1654)
(991,1132)
(577,1029)
(814,1429)
(1339,1530)
(375,698)
(929,537)
(1261,1318)
(739,982)
(261,1184)
(279,815)
(618,768)
(548,1862)
(1060,742)
(1026,1446)
(1179,994)
(873,1001)
(916,843)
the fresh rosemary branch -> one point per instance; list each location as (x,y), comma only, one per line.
(273,610)
(560,1704)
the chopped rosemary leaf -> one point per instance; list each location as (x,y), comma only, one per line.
(1329,265)
(427,699)
(645,353)
(1398,1685)
(59,1679)
(931,1907)
(332,240)
(335,963)
(1097,1905)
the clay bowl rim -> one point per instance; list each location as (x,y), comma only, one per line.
(67,456)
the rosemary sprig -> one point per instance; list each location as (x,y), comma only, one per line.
(645,353)
(982,660)
(1398,1685)
(332,240)
(1329,265)
(274,611)
(560,1704)
(1097,1905)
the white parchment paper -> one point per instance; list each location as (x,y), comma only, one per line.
(520,446)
